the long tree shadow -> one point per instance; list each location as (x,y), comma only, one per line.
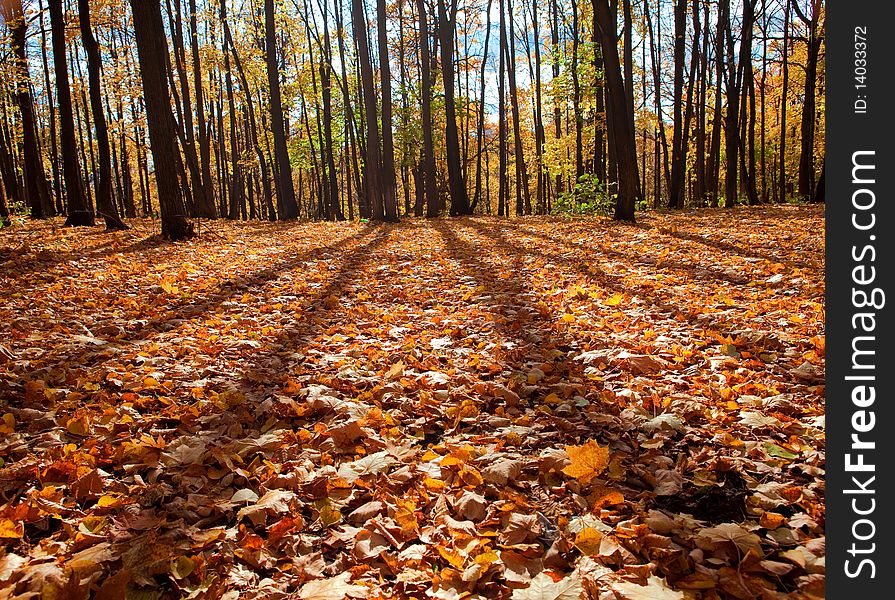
(186,310)
(598,276)
(319,311)
(731,248)
(696,271)
(517,315)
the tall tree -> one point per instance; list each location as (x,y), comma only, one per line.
(104,204)
(447,23)
(202,133)
(480,126)
(389,185)
(623,135)
(37,188)
(79,213)
(503,208)
(287,207)
(813,41)
(152,49)
(522,191)
(427,163)
(678,156)
(373,158)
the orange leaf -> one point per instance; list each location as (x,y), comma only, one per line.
(588,461)
(11,529)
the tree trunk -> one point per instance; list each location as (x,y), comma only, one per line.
(557,110)
(446,26)
(373,158)
(389,185)
(286,204)
(104,205)
(628,185)
(781,182)
(152,48)
(78,212)
(37,188)
(480,126)
(678,156)
(503,183)
(806,154)
(522,191)
(54,143)
(427,165)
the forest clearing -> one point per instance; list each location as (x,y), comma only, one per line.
(445,408)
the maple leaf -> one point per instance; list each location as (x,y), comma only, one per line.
(333,588)
(368,465)
(655,589)
(588,461)
(272,502)
(543,587)
(731,532)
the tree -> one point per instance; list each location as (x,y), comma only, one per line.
(809,106)
(287,207)
(104,204)
(79,212)
(427,166)
(620,129)
(389,186)
(522,191)
(447,23)
(152,49)
(373,158)
(37,188)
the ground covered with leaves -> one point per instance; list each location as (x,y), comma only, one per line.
(544,408)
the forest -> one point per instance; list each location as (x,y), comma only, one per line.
(274,111)
(327,299)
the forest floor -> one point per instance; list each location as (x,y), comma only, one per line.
(450,408)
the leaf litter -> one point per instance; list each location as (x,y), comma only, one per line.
(468,408)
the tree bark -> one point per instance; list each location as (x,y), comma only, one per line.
(286,204)
(628,185)
(522,191)
(427,165)
(37,188)
(104,204)
(152,48)
(78,213)
(373,157)
(447,17)
(389,185)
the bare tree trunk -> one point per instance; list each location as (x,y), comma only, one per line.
(54,143)
(809,110)
(287,207)
(522,191)
(480,127)
(557,111)
(152,48)
(446,25)
(783,102)
(427,164)
(628,188)
(37,188)
(389,186)
(373,158)
(104,205)
(78,211)
(539,120)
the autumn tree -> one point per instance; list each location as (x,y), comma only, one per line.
(152,48)
(620,129)
(37,187)
(79,212)
(105,207)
